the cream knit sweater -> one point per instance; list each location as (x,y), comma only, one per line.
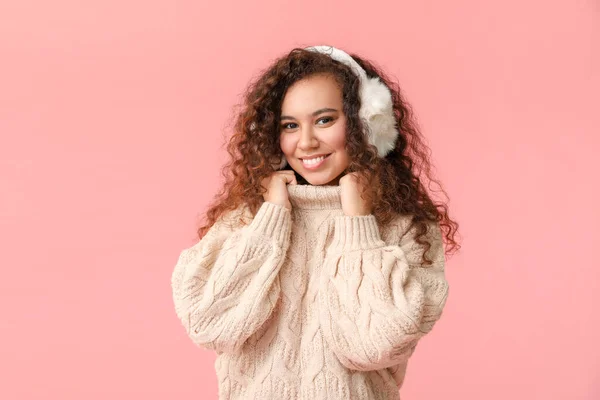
(309,304)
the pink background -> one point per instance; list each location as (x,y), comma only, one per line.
(112,115)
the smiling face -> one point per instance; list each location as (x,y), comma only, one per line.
(313,130)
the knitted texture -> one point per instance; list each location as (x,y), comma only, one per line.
(309,304)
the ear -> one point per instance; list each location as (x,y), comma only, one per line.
(377,110)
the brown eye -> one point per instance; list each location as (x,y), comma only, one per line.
(324,120)
(290,125)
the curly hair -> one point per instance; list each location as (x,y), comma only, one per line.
(398,180)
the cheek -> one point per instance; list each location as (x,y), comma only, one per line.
(338,139)
(286,144)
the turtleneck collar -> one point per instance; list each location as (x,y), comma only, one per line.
(311,197)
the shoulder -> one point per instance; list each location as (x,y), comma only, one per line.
(230,221)
(236,218)
(403,231)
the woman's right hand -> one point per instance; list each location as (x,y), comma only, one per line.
(276,185)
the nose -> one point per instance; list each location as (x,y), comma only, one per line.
(308,139)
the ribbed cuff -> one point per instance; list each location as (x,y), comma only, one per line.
(356,233)
(273,220)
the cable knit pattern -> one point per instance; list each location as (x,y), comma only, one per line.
(309,303)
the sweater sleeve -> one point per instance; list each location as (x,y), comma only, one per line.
(377,300)
(225,287)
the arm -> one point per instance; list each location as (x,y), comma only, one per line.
(225,286)
(376,299)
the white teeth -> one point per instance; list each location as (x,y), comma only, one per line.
(314,161)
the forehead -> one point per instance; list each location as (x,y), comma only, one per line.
(312,93)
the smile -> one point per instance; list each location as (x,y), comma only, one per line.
(314,163)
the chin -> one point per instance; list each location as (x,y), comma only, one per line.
(320,181)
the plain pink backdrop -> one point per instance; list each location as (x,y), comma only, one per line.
(112,115)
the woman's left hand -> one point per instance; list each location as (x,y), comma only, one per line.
(352,202)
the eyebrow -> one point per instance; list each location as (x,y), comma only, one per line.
(320,111)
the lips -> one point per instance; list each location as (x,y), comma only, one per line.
(314,162)
(312,157)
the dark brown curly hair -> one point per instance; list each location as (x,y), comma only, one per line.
(399,179)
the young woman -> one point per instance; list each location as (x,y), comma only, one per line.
(321,262)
